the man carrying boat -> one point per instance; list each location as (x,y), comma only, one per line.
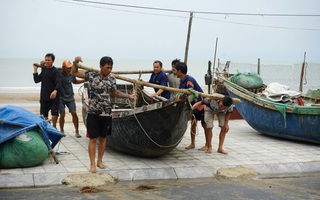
(160,78)
(101,86)
(67,96)
(50,88)
(223,109)
(187,82)
(173,80)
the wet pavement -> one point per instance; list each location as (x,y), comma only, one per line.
(268,156)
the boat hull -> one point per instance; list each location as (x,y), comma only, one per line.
(291,125)
(151,133)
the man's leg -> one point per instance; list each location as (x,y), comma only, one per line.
(205,123)
(101,150)
(223,132)
(55,103)
(54,121)
(75,121)
(44,109)
(209,140)
(206,145)
(92,154)
(193,134)
(61,122)
(222,136)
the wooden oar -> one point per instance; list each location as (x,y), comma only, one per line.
(139,82)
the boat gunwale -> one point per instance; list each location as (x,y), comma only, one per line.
(252,97)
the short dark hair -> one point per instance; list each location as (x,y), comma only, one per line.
(175,61)
(50,55)
(158,61)
(182,67)
(106,60)
(227,101)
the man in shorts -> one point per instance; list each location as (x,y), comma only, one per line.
(186,82)
(67,96)
(223,109)
(50,88)
(99,120)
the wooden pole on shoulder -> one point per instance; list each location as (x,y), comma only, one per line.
(139,82)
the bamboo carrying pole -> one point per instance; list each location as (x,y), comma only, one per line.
(185,91)
(119,72)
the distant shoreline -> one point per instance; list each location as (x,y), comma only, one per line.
(30,102)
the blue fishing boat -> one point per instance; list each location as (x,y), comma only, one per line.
(289,121)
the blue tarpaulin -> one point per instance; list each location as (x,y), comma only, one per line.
(16,120)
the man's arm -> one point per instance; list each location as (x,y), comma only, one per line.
(226,122)
(117,93)
(158,93)
(57,88)
(36,77)
(78,81)
(75,72)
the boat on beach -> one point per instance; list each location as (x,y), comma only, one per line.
(148,127)
(290,121)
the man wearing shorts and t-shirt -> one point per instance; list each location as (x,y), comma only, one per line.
(223,109)
(186,82)
(67,97)
(99,120)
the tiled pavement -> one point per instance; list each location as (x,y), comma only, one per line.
(266,155)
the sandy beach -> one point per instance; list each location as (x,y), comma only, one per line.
(30,102)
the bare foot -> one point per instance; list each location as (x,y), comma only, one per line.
(209,150)
(101,166)
(78,135)
(62,131)
(93,169)
(190,147)
(204,148)
(222,151)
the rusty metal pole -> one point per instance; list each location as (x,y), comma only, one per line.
(188,39)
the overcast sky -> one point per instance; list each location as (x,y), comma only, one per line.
(32,28)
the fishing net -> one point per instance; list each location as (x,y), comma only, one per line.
(247,80)
(313,93)
(26,150)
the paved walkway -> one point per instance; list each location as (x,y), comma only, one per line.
(266,155)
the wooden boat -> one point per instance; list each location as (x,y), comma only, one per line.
(151,128)
(276,119)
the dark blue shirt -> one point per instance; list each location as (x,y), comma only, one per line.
(160,79)
(190,82)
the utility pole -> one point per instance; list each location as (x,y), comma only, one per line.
(188,39)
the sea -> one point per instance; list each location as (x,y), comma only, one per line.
(17,73)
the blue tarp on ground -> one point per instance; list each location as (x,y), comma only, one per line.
(16,120)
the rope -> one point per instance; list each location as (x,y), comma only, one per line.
(194,121)
(145,132)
